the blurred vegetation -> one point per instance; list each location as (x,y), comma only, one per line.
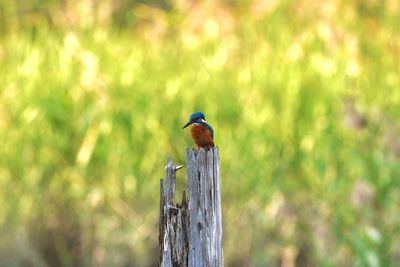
(304,98)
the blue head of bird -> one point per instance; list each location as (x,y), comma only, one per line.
(195,118)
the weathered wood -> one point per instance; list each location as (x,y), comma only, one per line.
(173,222)
(190,233)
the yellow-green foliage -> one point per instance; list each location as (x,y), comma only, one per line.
(304,99)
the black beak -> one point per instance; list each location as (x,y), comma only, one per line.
(187,124)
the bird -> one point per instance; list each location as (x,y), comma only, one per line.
(202,132)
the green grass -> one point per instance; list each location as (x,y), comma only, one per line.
(89,115)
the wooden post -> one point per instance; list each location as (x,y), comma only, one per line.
(190,233)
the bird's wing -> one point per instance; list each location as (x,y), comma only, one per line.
(211,130)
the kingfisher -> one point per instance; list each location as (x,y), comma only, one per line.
(202,132)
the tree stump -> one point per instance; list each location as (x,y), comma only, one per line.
(190,232)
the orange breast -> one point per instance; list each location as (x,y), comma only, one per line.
(202,135)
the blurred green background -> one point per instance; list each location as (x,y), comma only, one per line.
(304,98)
